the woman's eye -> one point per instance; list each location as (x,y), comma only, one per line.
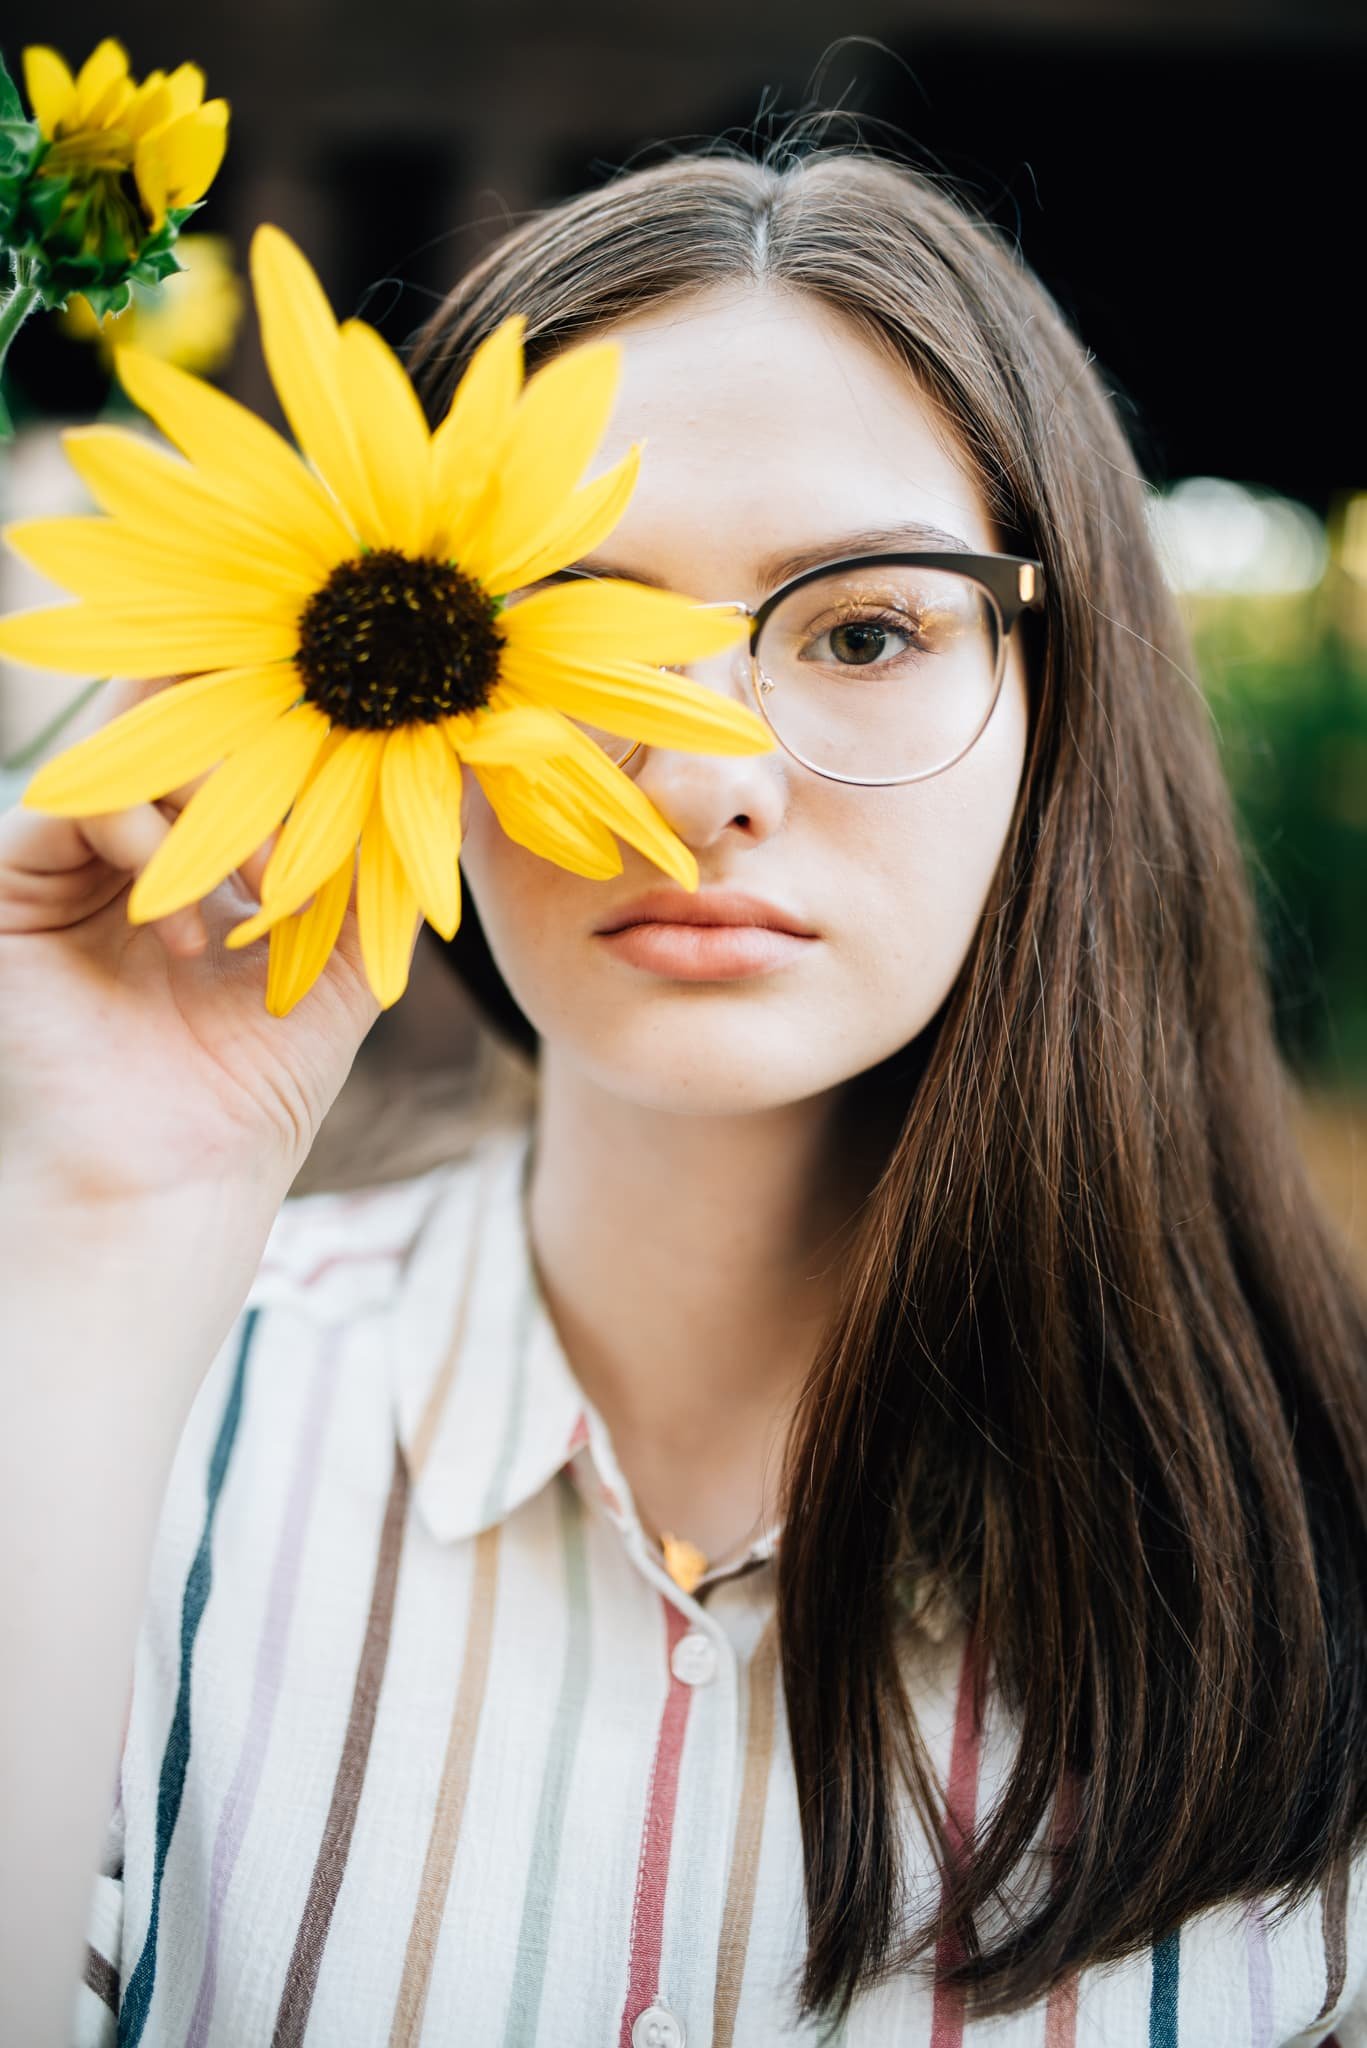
(858,643)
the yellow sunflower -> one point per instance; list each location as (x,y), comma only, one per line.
(343,639)
(100,125)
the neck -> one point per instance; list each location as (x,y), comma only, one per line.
(689,1264)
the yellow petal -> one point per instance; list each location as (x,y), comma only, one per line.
(105,111)
(391,431)
(263,921)
(531,817)
(469,442)
(303,354)
(150,107)
(420,790)
(302,945)
(187,151)
(325,822)
(222,436)
(106,63)
(586,519)
(560,419)
(607,618)
(51,89)
(625,809)
(512,735)
(186,85)
(106,560)
(230,817)
(178,506)
(149,172)
(386,911)
(560,758)
(641,703)
(258,925)
(170,738)
(141,642)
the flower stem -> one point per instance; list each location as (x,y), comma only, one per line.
(14,310)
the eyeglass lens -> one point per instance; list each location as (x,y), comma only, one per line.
(876,672)
(884,670)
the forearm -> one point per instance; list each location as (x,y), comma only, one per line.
(109,1320)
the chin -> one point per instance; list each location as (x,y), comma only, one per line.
(697,1061)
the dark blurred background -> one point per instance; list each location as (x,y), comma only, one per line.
(1185,176)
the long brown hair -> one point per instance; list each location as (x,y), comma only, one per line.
(1101,1367)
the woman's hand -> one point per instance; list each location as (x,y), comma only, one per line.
(135,1059)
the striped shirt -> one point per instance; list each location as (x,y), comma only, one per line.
(425,1745)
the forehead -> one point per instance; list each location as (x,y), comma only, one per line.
(775,413)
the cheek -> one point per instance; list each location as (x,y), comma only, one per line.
(928,853)
(530,908)
(515,888)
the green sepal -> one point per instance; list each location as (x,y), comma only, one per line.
(64,261)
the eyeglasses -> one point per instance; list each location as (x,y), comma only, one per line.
(879,669)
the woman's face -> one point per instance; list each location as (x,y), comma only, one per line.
(770,426)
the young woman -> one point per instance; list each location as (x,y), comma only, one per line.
(849,1522)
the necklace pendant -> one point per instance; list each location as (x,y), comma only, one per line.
(684,1562)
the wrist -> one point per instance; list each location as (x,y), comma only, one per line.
(34,1184)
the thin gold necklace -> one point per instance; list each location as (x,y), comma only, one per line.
(686,1564)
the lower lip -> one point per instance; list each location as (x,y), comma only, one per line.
(705,952)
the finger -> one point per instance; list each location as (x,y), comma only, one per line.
(66,844)
(56,872)
(254,867)
(173,801)
(32,843)
(127,840)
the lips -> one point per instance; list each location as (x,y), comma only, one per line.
(705,907)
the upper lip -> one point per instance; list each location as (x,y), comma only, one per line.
(707,906)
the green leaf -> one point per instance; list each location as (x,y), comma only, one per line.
(21,145)
(11,106)
(20,141)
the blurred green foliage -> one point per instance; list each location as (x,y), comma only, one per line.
(1285,675)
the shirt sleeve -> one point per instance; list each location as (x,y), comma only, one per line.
(329,1255)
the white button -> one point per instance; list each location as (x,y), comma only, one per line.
(695,1658)
(657,2027)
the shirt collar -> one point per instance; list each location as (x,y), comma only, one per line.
(486,1406)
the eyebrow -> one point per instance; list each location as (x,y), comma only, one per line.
(915,537)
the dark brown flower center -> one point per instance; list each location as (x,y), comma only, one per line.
(393,639)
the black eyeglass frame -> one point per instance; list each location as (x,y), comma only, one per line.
(1014,584)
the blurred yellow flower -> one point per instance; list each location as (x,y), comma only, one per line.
(191,319)
(100,125)
(97,182)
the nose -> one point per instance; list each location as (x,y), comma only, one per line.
(703,797)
